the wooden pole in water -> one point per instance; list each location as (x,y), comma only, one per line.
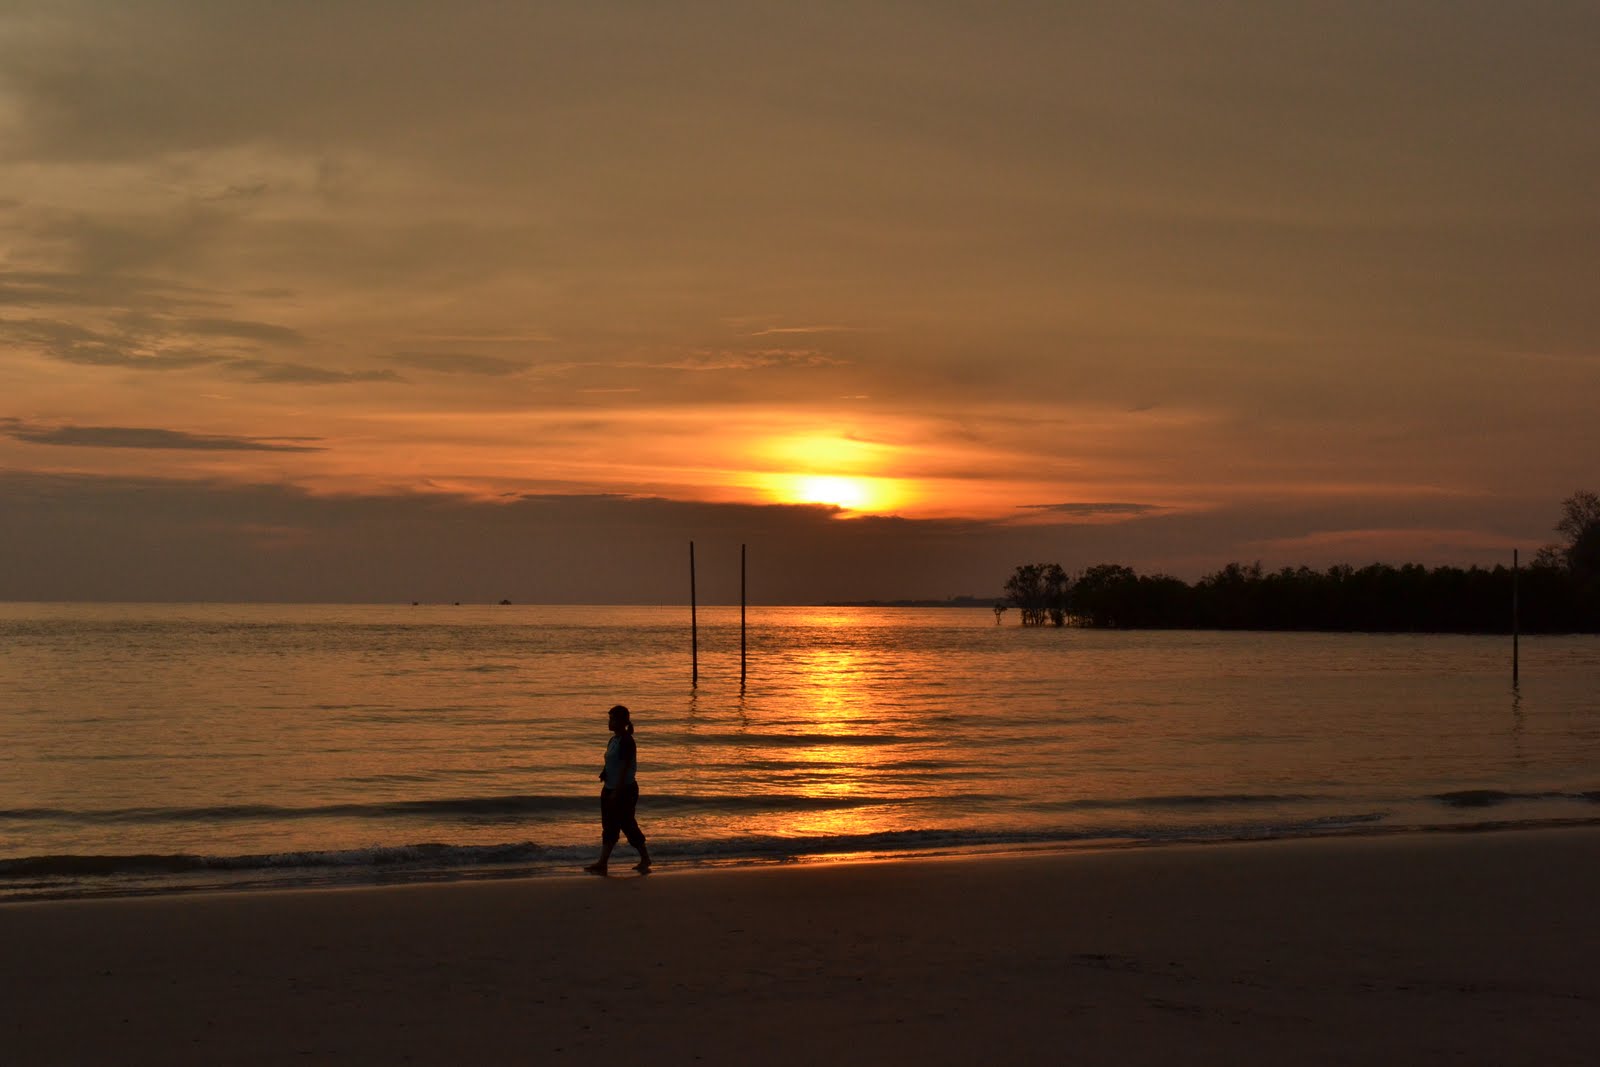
(694,625)
(1516,623)
(741,619)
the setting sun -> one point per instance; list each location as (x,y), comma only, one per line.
(820,468)
(848,493)
(851,493)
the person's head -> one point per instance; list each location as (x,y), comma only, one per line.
(619,720)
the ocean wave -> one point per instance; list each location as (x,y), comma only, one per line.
(512,807)
(1487,798)
(488,807)
(492,807)
(525,856)
(69,876)
(432,855)
(1178,800)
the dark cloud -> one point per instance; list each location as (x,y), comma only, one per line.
(240,328)
(104,538)
(71,342)
(97,290)
(460,363)
(760,359)
(265,370)
(144,343)
(143,437)
(1090,510)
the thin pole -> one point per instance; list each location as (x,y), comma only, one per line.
(1516,624)
(741,619)
(694,624)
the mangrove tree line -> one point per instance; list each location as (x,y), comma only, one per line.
(1558,592)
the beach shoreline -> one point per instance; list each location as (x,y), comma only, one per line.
(1438,947)
(63,878)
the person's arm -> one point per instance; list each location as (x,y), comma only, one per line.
(611,773)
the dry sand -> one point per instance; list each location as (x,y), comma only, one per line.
(1431,948)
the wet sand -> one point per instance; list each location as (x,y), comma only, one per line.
(1429,948)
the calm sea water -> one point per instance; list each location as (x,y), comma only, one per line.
(152,747)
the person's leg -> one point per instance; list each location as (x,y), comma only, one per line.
(610,830)
(629,824)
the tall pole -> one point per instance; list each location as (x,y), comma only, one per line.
(741,618)
(694,625)
(1516,624)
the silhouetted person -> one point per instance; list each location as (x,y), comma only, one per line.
(620,795)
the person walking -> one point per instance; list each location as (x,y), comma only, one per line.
(620,795)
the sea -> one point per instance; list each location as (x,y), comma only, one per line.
(157,748)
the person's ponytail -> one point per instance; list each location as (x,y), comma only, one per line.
(620,711)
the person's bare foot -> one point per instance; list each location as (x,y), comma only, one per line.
(643,866)
(596,868)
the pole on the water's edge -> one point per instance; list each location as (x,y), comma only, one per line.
(694,625)
(1516,626)
(741,618)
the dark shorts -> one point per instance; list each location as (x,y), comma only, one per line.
(617,817)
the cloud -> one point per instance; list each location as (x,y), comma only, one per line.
(490,336)
(143,538)
(46,288)
(460,363)
(158,539)
(1089,510)
(143,437)
(265,370)
(771,330)
(146,343)
(242,328)
(72,343)
(760,359)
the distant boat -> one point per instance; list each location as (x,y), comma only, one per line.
(506,602)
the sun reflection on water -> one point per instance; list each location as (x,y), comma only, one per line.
(855,767)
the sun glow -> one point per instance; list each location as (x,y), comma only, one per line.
(823,469)
(846,492)
(850,493)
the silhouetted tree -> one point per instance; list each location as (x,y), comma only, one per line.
(1580,525)
(1102,594)
(1057,587)
(1039,591)
(1578,560)
(1025,590)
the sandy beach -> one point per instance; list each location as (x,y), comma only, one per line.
(1427,948)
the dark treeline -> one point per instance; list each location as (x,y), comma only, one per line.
(1558,593)
(1375,598)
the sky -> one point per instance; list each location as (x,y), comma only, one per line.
(393,301)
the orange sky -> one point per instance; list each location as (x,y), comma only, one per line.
(1173,283)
